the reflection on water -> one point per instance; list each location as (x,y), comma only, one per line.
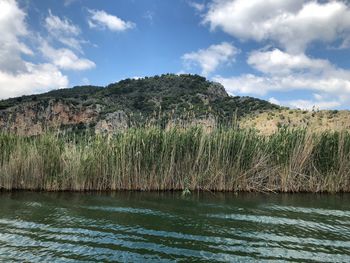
(164,227)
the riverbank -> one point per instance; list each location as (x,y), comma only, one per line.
(178,159)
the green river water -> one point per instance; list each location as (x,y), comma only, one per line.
(168,227)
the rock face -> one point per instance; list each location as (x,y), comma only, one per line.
(35,118)
(113,122)
(217,90)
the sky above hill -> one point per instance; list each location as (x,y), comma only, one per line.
(291,52)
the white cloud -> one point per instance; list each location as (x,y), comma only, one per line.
(319,97)
(72,43)
(64,31)
(335,89)
(292,24)
(101,19)
(279,62)
(310,104)
(261,85)
(67,33)
(199,7)
(247,84)
(285,72)
(306,104)
(59,26)
(209,59)
(36,79)
(12,28)
(274,101)
(65,58)
(345,43)
(17,76)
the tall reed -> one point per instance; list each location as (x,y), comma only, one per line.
(150,158)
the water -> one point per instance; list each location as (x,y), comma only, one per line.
(166,227)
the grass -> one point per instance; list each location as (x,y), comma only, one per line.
(223,159)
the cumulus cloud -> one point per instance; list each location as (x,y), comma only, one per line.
(319,102)
(293,24)
(290,26)
(336,92)
(12,28)
(335,86)
(261,85)
(309,104)
(17,76)
(273,100)
(248,84)
(286,72)
(279,62)
(209,59)
(65,58)
(37,78)
(101,19)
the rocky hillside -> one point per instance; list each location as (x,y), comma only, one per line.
(316,120)
(130,102)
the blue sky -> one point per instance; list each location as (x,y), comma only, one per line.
(290,52)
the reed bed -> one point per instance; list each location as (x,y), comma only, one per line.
(224,159)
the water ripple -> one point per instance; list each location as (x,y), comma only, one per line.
(91,228)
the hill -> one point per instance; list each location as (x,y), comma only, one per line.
(317,120)
(162,99)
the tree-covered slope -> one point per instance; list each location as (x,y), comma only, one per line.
(135,100)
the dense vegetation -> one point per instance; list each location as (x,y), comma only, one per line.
(165,95)
(146,156)
(224,159)
(78,94)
